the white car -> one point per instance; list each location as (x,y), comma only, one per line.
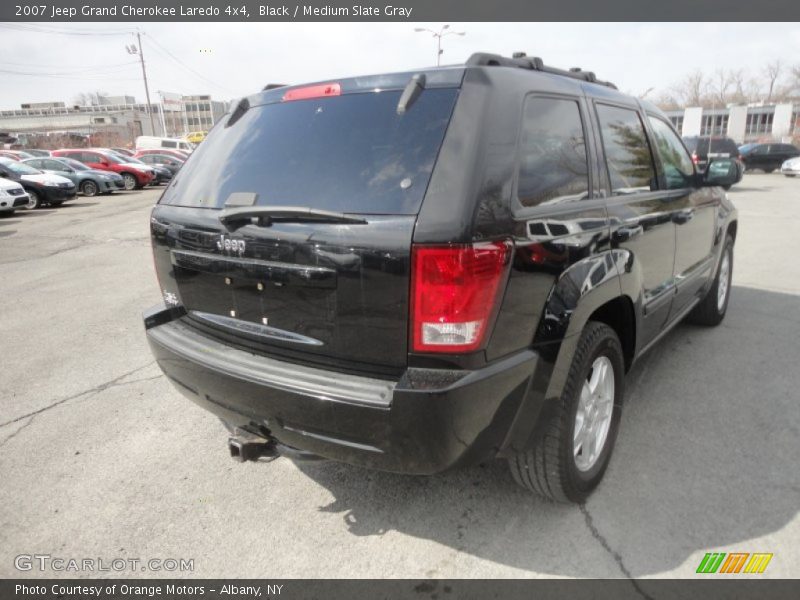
(12,196)
(791,167)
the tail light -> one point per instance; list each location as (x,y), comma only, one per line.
(454,293)
(695,158)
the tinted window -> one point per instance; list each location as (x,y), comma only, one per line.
(168,144)
(55,165)
(552,153)
(630,164)
(351,153)
(675,162)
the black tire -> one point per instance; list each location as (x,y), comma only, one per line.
(34,202)
(130,181)
(727,187)
(711,311)
(769,170)
(550,467)
(89,188)
(56,203)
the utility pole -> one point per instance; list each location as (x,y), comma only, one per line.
(138,51)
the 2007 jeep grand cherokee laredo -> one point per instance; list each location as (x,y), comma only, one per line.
(421,270)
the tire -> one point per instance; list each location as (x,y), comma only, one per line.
(57,203)
(789,174)
(552,467)
(34,201)
(713,307)
(130,181)
(769,170)
(89,188)
(727,187)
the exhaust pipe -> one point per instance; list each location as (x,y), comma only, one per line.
(245,446)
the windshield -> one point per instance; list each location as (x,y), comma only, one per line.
(20,168)
(71,162)
(352,153)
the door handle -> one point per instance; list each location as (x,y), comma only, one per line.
(623,234)
(683,216)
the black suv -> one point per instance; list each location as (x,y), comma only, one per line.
(705,147)
(421,270)
(768,157)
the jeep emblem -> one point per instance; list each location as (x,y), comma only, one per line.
(226,244)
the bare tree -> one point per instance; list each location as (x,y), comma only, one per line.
(89,98)
(691,90)
(772,72)
(720,87)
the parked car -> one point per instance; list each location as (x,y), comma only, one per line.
(135,176)
(89,182)
(195,137)
(768,157)
(146,142)
(704,147)
(176,153)
(791,167)
(42,188)
(123,151)
(15,154)
(362,282)
(170,163)
(161,175)
(12,196)
(37,152)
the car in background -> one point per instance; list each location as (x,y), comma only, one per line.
(42,188)
(148,142)
(791,167)
(37,152)
(135,176)
(12,196)
(176,153)
(161,175)
(123,151)
(703,147)
(89,182)
(706,147)
(15,154)
(768,157)
(171,163)
(195,137)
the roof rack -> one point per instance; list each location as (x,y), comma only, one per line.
(534,63)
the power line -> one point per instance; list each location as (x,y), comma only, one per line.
(162,50)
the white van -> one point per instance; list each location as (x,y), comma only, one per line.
(147,142)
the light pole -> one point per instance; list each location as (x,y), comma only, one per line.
(439,35)
(138,51)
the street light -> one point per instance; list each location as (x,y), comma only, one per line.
(134,51)
(439,35)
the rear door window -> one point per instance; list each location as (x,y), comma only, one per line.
(628,156)
(552,153)
(352,153)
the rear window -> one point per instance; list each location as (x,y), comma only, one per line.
(717,145)
(351,153)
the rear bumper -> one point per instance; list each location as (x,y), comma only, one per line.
(428,421)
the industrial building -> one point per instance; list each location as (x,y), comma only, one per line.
(754,123)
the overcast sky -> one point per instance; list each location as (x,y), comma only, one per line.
(230,60)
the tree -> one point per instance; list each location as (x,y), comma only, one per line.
(89,98)
(772,72)
(691,90)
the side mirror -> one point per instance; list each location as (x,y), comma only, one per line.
(722,172)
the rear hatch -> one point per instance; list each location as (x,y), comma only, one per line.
(289,229)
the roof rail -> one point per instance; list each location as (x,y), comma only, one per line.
(534,63)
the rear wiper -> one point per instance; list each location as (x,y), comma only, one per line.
(264,216)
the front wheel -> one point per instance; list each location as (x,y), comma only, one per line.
(130,181)
(570,455)
(713,307)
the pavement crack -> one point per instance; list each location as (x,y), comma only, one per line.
(91,391)
(613,553)
(17,432)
